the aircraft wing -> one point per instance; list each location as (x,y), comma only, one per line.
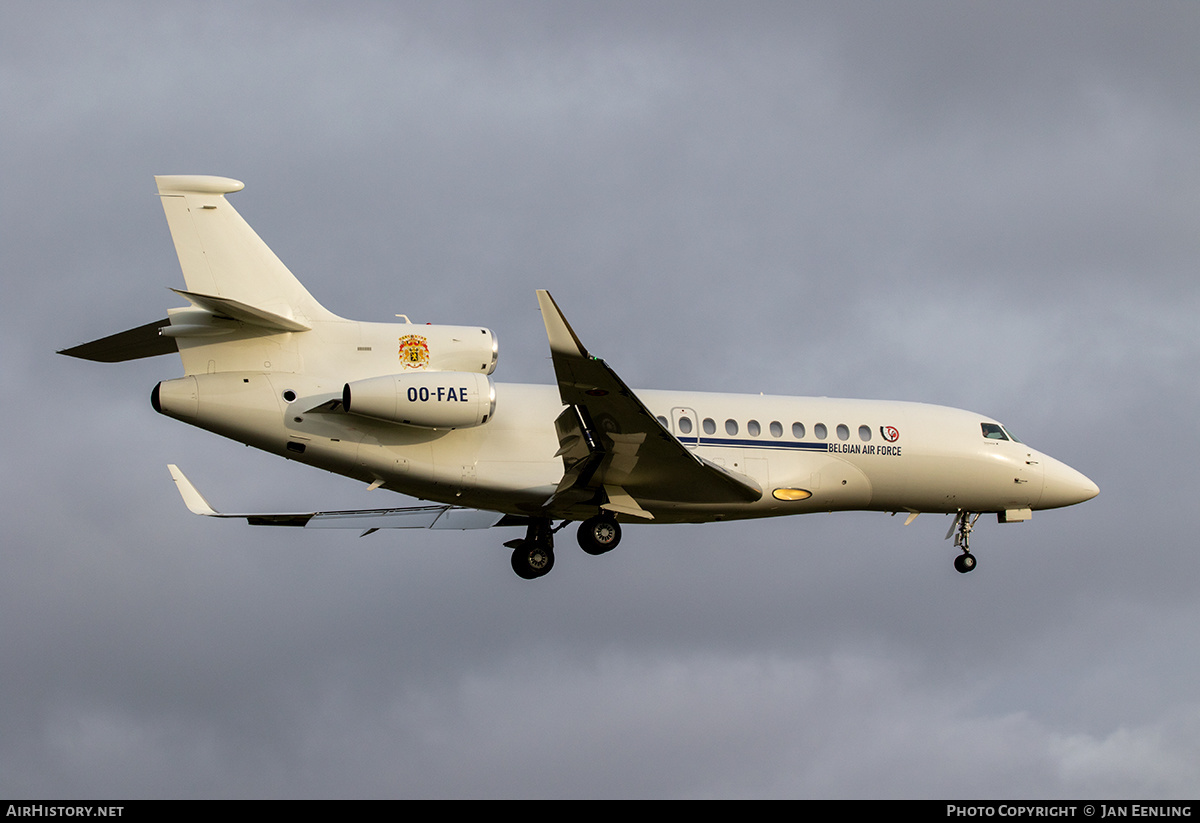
(615,451)
(435,516)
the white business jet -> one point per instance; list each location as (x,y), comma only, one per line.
(412,408)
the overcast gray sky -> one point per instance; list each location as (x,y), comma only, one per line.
(990,206)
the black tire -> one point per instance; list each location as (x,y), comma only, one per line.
(964,562)
(599,534)
(531,561)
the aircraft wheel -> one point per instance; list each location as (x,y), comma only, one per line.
(964,562)
(530,561)
(599,534)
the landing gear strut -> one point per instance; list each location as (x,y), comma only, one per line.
(963,523)
(533,556)
(599,534)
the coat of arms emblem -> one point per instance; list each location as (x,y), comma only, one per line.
(414,351)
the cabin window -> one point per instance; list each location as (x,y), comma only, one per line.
(663,420)
(798,431)
(820,432)
(710,427)
(776,428)
(753,429)
(843,431)
(685,425)
(731,427)
(993,431)
(864,433)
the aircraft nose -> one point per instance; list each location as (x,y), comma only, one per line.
(1063,486)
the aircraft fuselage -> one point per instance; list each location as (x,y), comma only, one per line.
(849,454)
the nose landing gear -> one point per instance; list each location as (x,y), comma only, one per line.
(961,529)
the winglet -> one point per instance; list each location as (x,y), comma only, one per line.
(562,337)
(193,499)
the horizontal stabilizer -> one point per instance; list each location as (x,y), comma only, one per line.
(144,341)
(414,517)
(236,310)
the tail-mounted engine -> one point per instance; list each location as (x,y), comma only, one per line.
(430,400)
(433,348)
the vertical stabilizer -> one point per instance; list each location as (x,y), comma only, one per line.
(222,257)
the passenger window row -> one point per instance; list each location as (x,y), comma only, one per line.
(754,429)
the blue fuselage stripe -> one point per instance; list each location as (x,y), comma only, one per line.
(785,445)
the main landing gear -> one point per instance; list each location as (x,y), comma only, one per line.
(599,534)
(533,555)
(961,529)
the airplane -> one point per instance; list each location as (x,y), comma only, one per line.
(414,409)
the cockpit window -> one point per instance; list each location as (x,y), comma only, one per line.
(993,431)
(1011,436)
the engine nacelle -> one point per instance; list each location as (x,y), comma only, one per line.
(431,348)
(429,400)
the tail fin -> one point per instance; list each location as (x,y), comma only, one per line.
(227,267)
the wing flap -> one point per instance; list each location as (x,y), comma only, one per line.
(622,503)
